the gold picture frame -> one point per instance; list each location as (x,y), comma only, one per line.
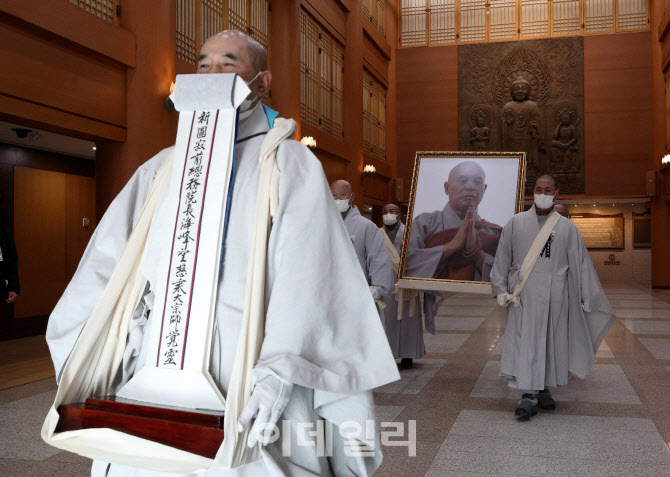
(516,159)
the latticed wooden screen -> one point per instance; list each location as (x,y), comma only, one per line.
(104,9)
(599,15)
(473,20)
(374,117)
(566,17)
(197,20)
(321,77)
(441,22)
(374,10)
(535,18)
(413,23)
(631,15)
(503,19)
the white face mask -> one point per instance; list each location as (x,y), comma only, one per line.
(342,205)
(544,202)
(246,104)
(390,219)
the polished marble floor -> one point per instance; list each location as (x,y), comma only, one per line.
(616,422)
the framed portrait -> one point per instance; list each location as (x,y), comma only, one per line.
(459,204)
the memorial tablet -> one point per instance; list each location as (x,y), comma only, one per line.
(167,396)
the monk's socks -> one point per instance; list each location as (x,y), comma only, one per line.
(545,401)
(526,408)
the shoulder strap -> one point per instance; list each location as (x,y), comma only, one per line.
(234,451)
(395,258)
(532,256)
(283,129)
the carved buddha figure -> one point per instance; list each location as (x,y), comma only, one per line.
(564,144)
(480,134)
(522,124)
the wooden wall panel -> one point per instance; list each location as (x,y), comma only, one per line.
(618,113)
(61,75)
(427,104)
(80,204)
(150,126)
(375,60)
(334,167)
(39,233)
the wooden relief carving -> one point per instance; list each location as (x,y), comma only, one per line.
(526,96)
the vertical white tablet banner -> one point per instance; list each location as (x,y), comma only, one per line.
(180,329)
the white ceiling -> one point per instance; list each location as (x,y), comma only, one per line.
(48,141)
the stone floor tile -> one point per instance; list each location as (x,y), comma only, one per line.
(642,313)
(641,327)
(444,342)
(20,427)
(659,347)
(457,323)
(388,413)
(414,379)
(606,383)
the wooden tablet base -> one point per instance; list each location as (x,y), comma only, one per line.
(198,432)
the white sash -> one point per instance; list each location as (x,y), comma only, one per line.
(401,294)
(532,256)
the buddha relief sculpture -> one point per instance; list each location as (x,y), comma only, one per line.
(564,143)
(522,124)
(526,96)
(480,133)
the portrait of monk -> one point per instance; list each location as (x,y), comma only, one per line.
(455,243)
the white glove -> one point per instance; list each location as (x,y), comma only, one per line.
(267,403)
(502,299)
(375,294)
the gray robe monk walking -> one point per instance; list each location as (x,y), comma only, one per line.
(405,330)
(368,244)
(562,314)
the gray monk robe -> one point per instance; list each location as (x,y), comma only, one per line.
(563,314)
(424,259)
(432,230)
(371,252)
(312,305)
(405,336)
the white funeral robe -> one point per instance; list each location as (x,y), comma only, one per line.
(563,314)
(322,332)
(405,336)
(371,251)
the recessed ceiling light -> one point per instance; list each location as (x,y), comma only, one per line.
(94,148)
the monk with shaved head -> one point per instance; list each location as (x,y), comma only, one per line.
(368,244)
(309,370)
(455,243)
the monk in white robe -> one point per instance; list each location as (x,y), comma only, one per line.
(561,315)
(368,244)
(404,332)
(323,350)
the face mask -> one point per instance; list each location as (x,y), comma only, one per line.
(342,205)
(246,104)
(544,201)
(390,219)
